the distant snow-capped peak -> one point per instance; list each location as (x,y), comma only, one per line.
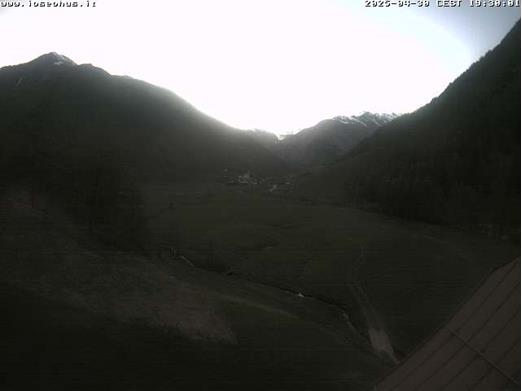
(54,59)
(367,118)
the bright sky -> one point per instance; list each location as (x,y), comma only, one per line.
(279,65)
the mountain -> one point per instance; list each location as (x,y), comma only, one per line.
(267,139)
(99,289)
(454,161)
(330,139)
(127,263)
(86,140)
(57,104)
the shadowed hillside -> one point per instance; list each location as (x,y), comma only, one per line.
(87,301)
(147,246)
(51,105)
(83,139)
(454,161)
(330,139)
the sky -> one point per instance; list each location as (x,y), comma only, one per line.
(277,65)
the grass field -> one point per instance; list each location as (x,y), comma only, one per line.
(414,274)
(85,317)
(268,304)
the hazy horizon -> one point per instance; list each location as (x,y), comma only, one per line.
(279,67)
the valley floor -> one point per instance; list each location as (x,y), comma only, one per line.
(234,289)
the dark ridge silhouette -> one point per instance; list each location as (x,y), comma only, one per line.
(330,139)
(95,289)
(86,139)
(54,103)
(454,161)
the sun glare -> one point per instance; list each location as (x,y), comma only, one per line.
(275,65)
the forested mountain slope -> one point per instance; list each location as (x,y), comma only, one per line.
(455,160)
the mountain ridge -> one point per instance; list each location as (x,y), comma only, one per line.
(453,161)
(329,139)
(88,140)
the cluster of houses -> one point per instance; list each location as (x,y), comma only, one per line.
(248,179)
